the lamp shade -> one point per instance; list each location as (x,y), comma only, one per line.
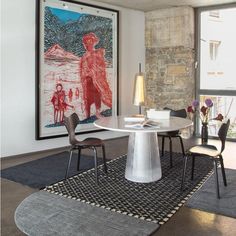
(139,90)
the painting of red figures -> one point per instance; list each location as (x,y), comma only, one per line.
(77,65)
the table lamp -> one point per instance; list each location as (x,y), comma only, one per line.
(139,90)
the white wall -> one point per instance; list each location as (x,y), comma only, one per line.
(18,74)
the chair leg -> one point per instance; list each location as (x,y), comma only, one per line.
(68,165)
(182,145)
(171,161)
(193,166)
(184,172)
(216,179)
(104,159)
(163,146)
(78,163)
(95,165)
(223,170)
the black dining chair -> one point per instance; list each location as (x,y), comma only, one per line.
(173,134)
(71,123)
(209,151)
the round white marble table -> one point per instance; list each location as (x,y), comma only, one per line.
(143,159)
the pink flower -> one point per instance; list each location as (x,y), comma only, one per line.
(204,110)
(220,117)
(190,109)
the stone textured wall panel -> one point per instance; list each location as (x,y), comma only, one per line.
(170,58)
(170,77)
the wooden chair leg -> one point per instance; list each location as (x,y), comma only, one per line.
(68,165)
(223,170)
(163,146)
(216,179)
(171,160)
(95,164)
(184,172)
(104,159)
(78,163)
(193,166)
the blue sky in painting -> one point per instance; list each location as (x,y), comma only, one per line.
(65,15)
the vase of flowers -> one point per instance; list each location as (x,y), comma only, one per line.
(204,115)
(204,133)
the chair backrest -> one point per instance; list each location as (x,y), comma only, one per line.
(70,123)
(222,133)
(178,113)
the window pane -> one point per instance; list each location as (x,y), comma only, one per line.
(218,50)
(225,105)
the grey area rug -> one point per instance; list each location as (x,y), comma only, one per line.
(155,202)
(43,213)
(47,170)
(205,198)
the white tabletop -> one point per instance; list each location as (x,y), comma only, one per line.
(117,123)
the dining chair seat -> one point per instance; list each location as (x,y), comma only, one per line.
(89,142)
(208,150)
(171,133)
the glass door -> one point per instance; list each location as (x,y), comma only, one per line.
(216,64)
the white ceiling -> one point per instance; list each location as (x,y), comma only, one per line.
(149,5)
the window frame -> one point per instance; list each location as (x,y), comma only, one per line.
(199,91)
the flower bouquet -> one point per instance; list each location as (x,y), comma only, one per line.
(204,115)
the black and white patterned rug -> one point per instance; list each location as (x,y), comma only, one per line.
(155,202)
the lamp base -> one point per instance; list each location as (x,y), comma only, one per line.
(138,115)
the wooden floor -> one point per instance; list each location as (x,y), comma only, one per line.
(185,222)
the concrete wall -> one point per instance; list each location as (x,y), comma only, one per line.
(169,37)
(18,74)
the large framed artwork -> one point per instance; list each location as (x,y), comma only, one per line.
(76,66)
